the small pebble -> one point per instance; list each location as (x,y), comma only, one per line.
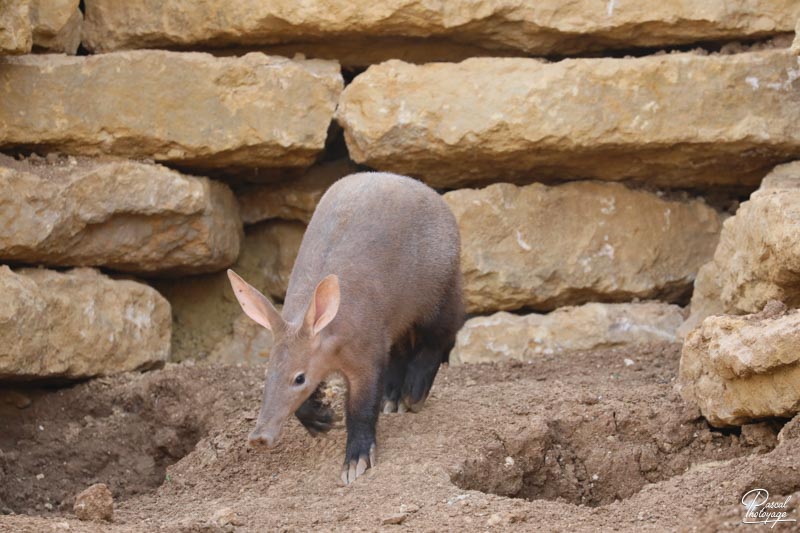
(226,516)
(95,503)
(397,519)
(17,399)
(494,520)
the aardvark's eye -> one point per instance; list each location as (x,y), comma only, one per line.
(299,379)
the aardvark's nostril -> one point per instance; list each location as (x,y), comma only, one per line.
(259,439)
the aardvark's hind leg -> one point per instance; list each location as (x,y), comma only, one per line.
(433,344)
(395,375)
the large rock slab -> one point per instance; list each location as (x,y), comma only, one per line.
(16,33)
(78,324)
(758,256)
(128,216)
(541,247)
(504,336)
(56,25)
(444,28)
(292,199)
(190,109)
(247,343)
(205,312)
(679,120)
(743,368)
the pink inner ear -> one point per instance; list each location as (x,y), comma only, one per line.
(253,303)
(326,302)
(320,305)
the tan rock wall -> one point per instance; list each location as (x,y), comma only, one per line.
(128,216)
(743,368)
(292,199)
(541,247)
(57,25)
(185,108)
(680,120)
(78,324)
(16,34)
(503,336)
(758,256)
(206,315)
(454,29)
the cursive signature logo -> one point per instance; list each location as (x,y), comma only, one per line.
(762,511)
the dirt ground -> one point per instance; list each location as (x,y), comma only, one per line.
(574,442)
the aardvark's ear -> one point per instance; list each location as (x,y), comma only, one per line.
(324,304)
(254,304)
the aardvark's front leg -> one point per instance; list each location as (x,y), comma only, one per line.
(365,389)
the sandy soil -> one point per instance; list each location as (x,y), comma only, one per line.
(574,442)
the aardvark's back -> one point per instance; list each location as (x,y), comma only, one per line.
(393,242)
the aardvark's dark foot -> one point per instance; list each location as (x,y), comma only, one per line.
(357,459)
(418,382)
(316,416)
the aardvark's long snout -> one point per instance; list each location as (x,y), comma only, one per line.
(264,436)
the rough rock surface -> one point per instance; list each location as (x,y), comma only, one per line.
(96,503)
(744,368)
(504,336)
(531,28)
(642,119)
(198,111)
(205,312)
(16,33)
(758,256)
(541,247)
(796,42)
(247,343)
(78,324)
(128,216)
(56,25)
(293,199)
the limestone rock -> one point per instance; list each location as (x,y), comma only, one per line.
(191,109)
(758,256)
(95,503)
(248,343)
(786,176)
(205,312)
(56,25)
(743,368)
(463,27)
(16,33)
(293,199)
(78,324)
(677,120)
(503,336)
(543,247)
(128,216)
(705,298)
(796,42)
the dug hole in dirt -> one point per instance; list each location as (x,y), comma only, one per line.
(570,442)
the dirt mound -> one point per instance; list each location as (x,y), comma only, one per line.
(123,431)
(581,441)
